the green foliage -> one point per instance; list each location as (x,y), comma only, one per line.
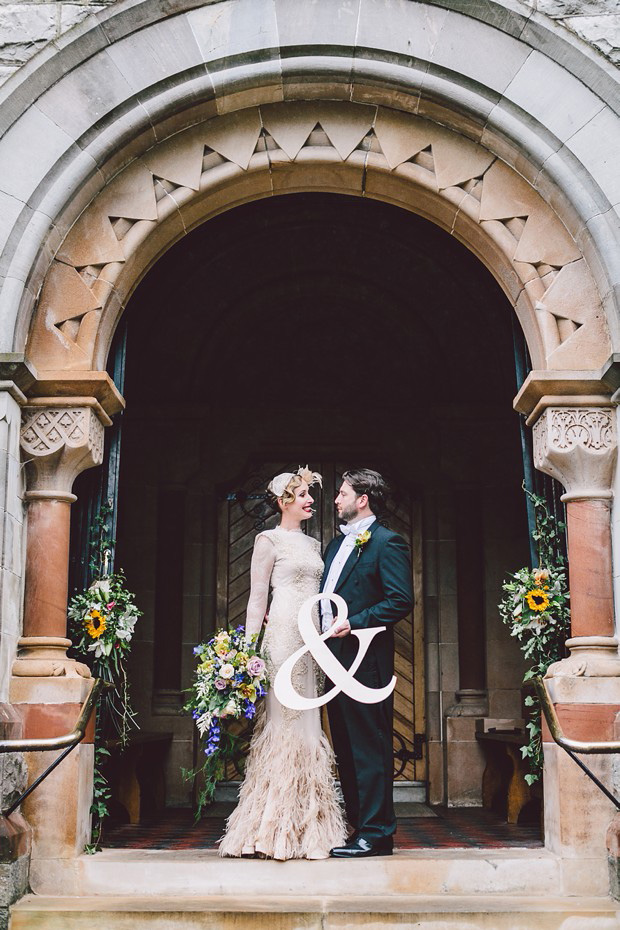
(101,625)
(212,769)
(536,610)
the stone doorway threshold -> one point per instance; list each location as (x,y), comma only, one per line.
(419,827)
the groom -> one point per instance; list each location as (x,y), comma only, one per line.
(369,567)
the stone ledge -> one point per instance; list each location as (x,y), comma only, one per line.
(314,913)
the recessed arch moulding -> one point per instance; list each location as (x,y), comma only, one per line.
(345,147)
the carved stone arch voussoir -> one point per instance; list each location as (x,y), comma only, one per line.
(329,146)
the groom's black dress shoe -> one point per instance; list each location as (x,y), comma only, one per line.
(361,848)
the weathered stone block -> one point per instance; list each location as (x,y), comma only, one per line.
(25,23)
(603,32)
(13,882)
(73,13)
(561,8)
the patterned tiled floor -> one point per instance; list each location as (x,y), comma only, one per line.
(444,829)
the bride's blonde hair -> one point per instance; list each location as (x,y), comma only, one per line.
(288,494)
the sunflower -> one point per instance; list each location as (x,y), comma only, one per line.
(537,599)
(95,624)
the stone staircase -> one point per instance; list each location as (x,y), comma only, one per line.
(497,889)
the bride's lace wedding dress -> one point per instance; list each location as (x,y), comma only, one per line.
(288,804)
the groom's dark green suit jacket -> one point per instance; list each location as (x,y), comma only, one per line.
(376,584)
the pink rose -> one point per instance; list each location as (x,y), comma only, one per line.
(220,684)
(256,666)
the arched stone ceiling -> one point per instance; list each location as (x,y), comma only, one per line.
(318,145)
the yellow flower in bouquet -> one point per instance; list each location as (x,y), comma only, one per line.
(249,692)
(537,599)
(95,624)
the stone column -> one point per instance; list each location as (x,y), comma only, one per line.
(577,444)
(465,759)
(60,437)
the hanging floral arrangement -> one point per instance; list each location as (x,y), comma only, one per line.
(535,607)
(102,622)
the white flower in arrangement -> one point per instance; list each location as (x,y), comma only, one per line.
(203,687)
(204,722)
(125,627)
(102,585)
(98,648)
(227,671)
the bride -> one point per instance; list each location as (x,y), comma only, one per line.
(288,803)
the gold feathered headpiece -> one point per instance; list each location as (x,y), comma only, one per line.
(279,484)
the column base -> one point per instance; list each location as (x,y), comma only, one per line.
(46,657)
(470,702)
(590,657)
(58,811)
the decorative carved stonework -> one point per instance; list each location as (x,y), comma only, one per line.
(59,439)
(577,445)
(96,266)
(58,442)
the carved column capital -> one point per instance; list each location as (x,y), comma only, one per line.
(578,446)
(58,441)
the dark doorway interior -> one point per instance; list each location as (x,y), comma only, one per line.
(323,329)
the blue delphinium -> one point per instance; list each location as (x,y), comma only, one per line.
(213,738)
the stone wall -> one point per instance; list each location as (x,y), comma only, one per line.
(26,26)
(597,22)
(11,532)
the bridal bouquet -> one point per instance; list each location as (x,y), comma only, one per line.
(230,679)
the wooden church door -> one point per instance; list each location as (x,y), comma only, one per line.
(241,517)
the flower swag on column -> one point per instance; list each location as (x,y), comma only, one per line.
(535,608)
(102,620)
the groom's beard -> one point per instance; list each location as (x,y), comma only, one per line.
(349,515)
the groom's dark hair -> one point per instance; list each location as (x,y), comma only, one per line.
(369,482)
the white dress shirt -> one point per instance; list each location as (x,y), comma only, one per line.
(350,530)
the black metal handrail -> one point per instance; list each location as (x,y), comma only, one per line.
(68,742)
(572,746)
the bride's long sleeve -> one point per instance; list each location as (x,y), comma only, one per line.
(263,560)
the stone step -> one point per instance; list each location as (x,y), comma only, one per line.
(289,912)
(199,873)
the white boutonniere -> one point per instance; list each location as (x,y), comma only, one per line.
(361,540)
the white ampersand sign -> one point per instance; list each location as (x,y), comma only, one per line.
(342,677)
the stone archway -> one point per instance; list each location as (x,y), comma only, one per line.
(145,124)
(349,148)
